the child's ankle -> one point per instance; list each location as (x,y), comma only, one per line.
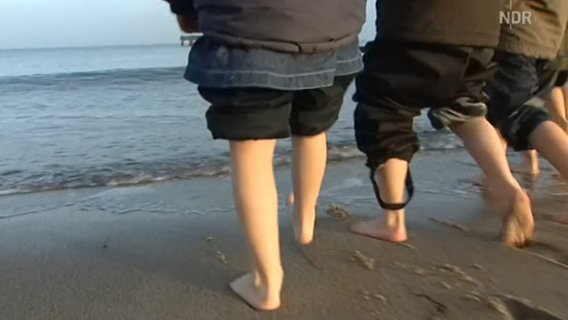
(394,218)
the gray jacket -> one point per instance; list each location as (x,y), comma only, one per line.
(295,26)
(539,36)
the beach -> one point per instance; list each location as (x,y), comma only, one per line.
(124,117)
(168,250)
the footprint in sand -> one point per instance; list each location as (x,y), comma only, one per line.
(549,253)
(560,218)
(517,309)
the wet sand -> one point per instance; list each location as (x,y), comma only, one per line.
(169,250)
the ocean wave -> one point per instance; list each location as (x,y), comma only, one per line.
(134,173)
(138,173)
(102,76)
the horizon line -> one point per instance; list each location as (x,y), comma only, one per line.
(92,46)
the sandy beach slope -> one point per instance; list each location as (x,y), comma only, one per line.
(168,251)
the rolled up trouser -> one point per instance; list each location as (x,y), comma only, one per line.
(517,94)
(402,78)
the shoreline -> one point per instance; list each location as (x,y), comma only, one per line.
(168,251)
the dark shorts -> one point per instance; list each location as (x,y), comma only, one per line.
(260,113)
(401,78)
(517,93)
(561,79)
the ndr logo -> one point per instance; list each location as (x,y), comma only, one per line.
(512,17)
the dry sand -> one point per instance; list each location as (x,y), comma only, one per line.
(168,251)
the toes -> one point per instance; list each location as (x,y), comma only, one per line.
(515,236)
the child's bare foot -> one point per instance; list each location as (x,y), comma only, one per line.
(256,294)
(303,223)
(393,229)
(518,222)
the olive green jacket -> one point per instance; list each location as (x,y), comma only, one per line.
(541,33)
(564,52)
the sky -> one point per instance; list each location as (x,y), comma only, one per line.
(78,23)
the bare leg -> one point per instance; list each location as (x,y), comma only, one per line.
(565,96)
(482,180)
(482,142)
(256,201)
(552,143)
(557,106)
(530,163)
(502,140)
(308,168)
(530,159)
(391,227)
